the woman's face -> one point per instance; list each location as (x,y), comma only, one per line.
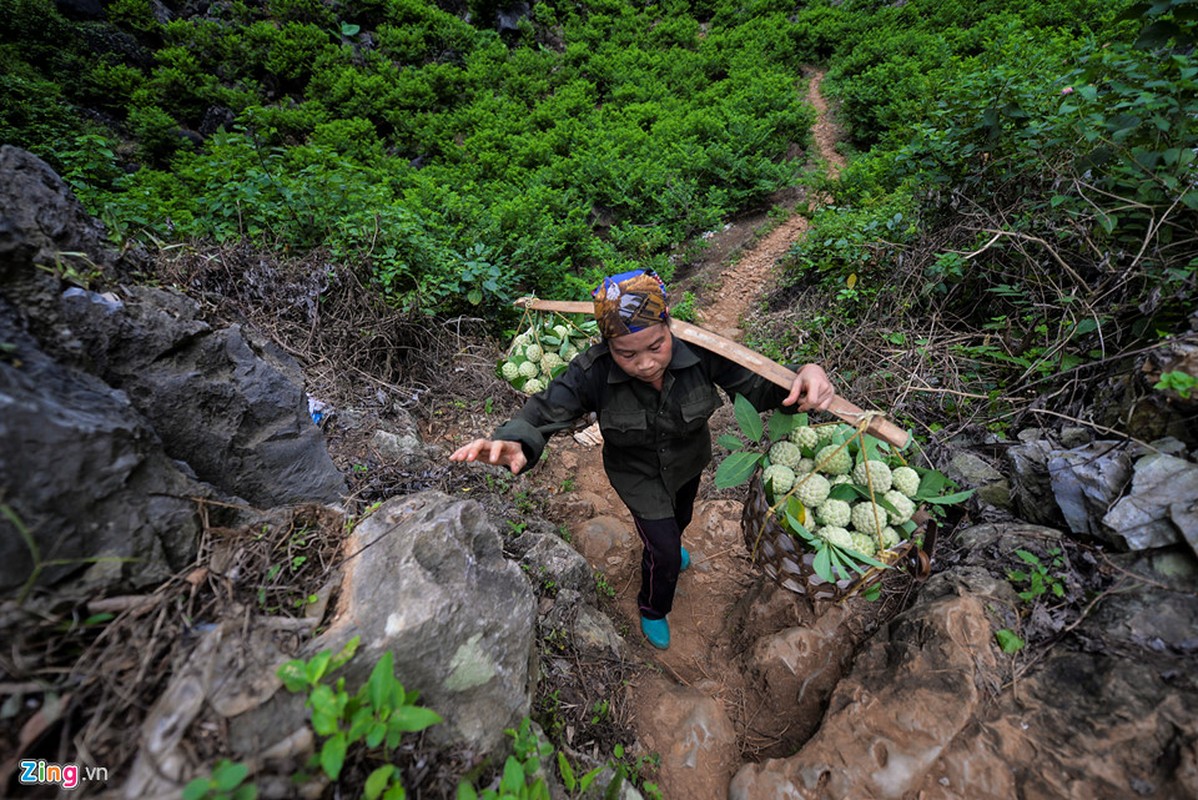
(644,354)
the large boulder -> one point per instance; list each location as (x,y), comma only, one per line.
(1161,508)
(228,402)
(933,708)
(914,688)
(84,476)
(1087,480)
(45,236)
(427,580)
(112,406)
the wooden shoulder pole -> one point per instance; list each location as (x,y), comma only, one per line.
(772,371)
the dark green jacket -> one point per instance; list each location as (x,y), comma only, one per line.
(653,442)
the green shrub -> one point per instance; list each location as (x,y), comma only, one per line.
(156,131)
(136,15)
(309,13)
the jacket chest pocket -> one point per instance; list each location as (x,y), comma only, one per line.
(691,415)
(625,428)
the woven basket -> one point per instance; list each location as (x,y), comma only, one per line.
(791,565)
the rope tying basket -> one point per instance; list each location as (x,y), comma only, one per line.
(830,509)
(547,341)
(791,564)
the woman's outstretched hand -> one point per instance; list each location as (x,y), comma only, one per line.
(811,389)
(493,451)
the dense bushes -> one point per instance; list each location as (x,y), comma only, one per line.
(1030,184)
(404,137)
(998,140)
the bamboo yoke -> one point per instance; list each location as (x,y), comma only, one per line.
(875,423)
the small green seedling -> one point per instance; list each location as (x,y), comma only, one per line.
(1037,576)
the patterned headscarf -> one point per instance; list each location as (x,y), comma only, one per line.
(629,302)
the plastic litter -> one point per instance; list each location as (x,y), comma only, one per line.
(318,410)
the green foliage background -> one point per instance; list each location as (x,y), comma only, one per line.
(449,157)
(1015,165)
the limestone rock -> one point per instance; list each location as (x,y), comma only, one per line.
(974,472)
(1087,480)
(548,559)
(695,738)
(428,581)
(926,711)
(86,476)
(888,722)
(607,543)
(1159,510)
(799,667)
(1031,487)
(227,402)
(399,442)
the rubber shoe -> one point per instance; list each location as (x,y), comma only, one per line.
(686,560)
(657,631)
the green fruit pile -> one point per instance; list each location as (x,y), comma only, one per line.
(858,498)
(842,496)
(540,352)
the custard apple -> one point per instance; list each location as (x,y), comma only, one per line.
(813,490)
(836,535)
(878,477)
(805,436)
(864,544)
(510,370)
(825,432)
(905,480)
(833,459)
(904,505)
(869,518)
(779,478)
(533,385)
(805,465)
(833,512)
(889,537)
(785,453)
(549,361)
(529,369)
(534,352)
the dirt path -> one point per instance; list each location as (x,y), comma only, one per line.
(741,285)
(709,628)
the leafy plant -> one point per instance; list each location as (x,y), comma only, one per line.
(1008,641)
(227,782)
(522,777)
(375,717)
(575,784)
(603,587)
(1181,382)
(1039,574)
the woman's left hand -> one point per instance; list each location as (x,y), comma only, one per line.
(811,389)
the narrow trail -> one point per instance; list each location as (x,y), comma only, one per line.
(701,681)
(741,285)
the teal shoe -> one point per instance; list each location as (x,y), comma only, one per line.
(686,560)
(657,631)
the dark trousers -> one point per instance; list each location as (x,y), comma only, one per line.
(661,558)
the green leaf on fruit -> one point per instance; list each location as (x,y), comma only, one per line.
(748,418)
(736,469)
